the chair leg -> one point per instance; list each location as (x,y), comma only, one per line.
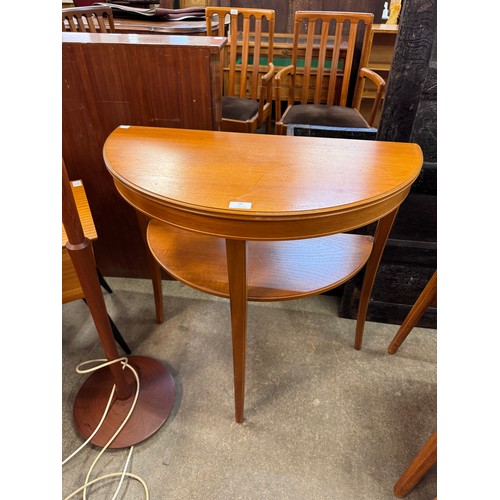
(426,298)
(103,282)
(420,465)
(117,335)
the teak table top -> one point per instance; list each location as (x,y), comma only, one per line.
(299,181)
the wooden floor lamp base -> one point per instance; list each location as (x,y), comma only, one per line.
(153,407)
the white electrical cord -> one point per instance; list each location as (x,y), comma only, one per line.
(104,362)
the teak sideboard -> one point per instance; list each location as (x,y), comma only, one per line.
(114,79)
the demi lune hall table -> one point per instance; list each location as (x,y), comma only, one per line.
(255,217)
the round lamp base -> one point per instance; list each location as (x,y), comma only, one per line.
(153,407)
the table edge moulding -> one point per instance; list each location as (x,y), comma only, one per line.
(261,217)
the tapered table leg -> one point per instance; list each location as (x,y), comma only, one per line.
(236,252)
(381,235)
(154,268)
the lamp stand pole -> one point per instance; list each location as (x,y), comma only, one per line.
(157,387)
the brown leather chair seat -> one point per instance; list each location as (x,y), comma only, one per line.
(321,114)
(239,108)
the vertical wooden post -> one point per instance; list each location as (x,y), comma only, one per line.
(81,254)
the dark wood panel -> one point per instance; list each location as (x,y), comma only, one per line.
(409,114)
(130,80)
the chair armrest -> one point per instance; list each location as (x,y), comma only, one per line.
(268,76)
(379,83)
(266,89)
(281,75)
(374,77)
(286,71)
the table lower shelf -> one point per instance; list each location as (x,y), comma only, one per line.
(276,270)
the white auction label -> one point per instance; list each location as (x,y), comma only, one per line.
(240,204)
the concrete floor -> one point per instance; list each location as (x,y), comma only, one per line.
(322,420)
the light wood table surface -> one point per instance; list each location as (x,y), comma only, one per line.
(261,217)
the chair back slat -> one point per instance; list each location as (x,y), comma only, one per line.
(213,29)
(233,42)
(84,24)
(323,67)
(257,51)
(93,19)
(308,61)
(101,24)
(351,44)
(334,64)
(245,35)
(322,61)
(247,47)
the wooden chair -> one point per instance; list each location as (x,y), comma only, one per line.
(71,287)
(427,455)
(318,80)
(248,67)
(93,19)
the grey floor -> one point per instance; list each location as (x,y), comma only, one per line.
(322,420)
